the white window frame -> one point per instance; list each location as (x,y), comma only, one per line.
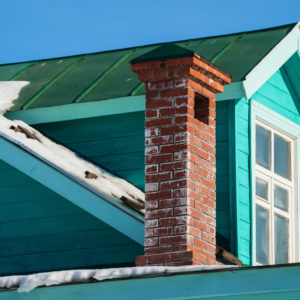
(286,127)
(272,178)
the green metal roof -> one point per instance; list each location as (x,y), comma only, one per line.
(106,75)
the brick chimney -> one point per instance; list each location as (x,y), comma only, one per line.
(181,87)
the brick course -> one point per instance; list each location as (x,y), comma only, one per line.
(180,160)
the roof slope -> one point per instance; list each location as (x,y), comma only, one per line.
(106,75)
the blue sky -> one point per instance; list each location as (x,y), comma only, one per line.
(37,29)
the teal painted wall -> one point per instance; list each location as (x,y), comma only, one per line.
(115,142)
(279,93)
(41,231)
(222,178)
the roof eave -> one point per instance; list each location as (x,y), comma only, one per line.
(289,45)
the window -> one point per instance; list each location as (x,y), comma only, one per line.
(275,196)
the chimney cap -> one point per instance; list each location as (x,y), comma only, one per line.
(166,51)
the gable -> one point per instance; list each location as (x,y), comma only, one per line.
(42,231)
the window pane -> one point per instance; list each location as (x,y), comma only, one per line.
(280,198)
(281,239)
(262,235)
(282,157)
(261,188)
(263,147)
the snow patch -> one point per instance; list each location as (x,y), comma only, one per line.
(58,155)
(9,91)
(27,283)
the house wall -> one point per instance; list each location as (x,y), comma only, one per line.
(41,231)
(222,175)
(279,93)
(114,142)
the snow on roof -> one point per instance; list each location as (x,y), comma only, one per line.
(58,155)
(9,91)
(26,283)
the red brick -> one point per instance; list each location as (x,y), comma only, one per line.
(151,223)
(151,114)
(144,66)
(158,176)
(181,174)
(161,140)
(163,257)
(158,195)
(209,130)
(151,204)
(201,225)
(181,137)
(158,122)
(209,183)
(203,102)
(174,166)
(151,132)
(159,213)
(152,159)
(158,103)
(151,150)
(159,85)
(166,112)
(177,92)
(208,166)
(201,244)
(209,202)
(181,82)
(174,147)
(173,184)
(180,229)
(180,192)
(177,239)
(158,231)
(185,101)
(160,74)
(149,242)
(180,61)
(209,148)
(151,168)
(145,76)
(172,202)
(173,221)
(207,237)
(151,95)
(201,153)
(209,220)
(141,260)
(201,171)
(159,249)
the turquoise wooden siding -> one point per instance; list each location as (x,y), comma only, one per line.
(242,181)
(279,93)
(41,231)
(222,178)
(114,142)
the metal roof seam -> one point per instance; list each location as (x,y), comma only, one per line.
(22,71)
(38,94)
(226,48)
(87,90)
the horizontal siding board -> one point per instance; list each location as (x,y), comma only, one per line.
(222,184)
(245,230)
(222,219)
(47,243)
(121,145)
(243,177)
(72,259)
(51,225)
(14,177)
(119,162)
(222,149)
(244,212)
(26,193)
(37,209)
(243,159)
(222,167)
